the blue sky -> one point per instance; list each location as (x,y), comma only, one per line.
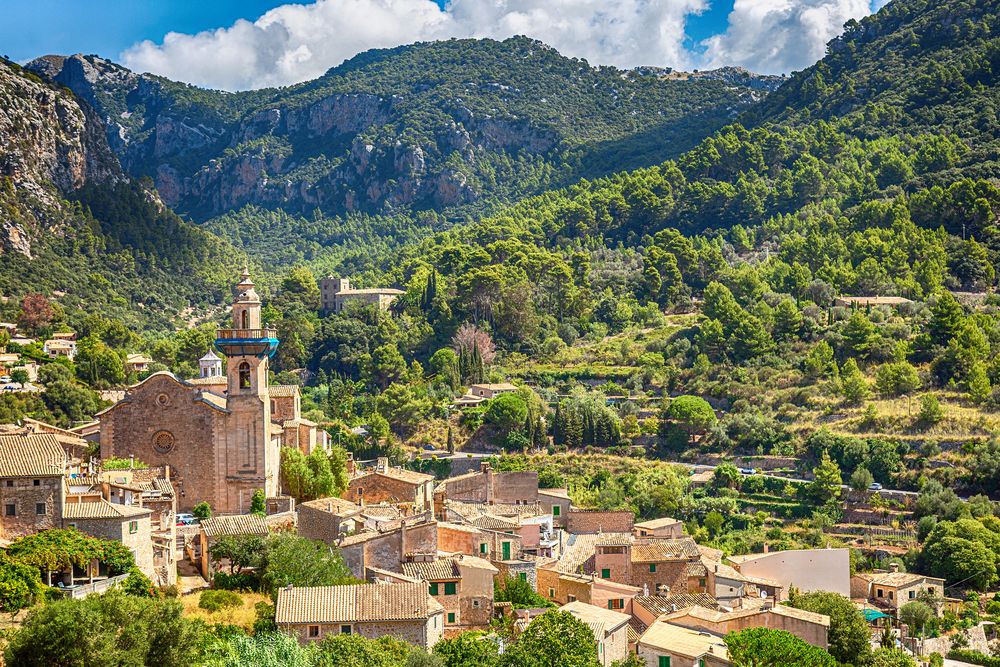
(226,44)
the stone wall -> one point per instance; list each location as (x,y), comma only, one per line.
(25,496)
(553,586)
(671,574)
(514,569)
(373,488)
(615,646)
(317,524)
(422,633)
(138,540)
(594,521)
(515,487)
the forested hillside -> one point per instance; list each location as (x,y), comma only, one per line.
(426,126)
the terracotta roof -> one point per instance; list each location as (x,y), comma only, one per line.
(355,603)
(895,579)
(31,455)
(490,522)
(696,570)
(682,548)
(333,505)
(665,604)
(401,474)
(801,614)
(211,380)
(137,359)
(676,640)
(658,523)
(457,526)
(359,538)
(608,619)
(103,510)
(433,571)
(614,540)
(238,524)
(380,511)
(283,390)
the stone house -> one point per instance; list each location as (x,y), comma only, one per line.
(137,363)
(563,588)
(32,486)
(666,527)
(893,589)
(463,585)
(212,529)
(488,487)
(392,485)
(610,629)
(651,564)
(807,626)
(327,519)
(806,569)
(413,538)
(731,586)
(402,610)
(647,608)
(336,293)
(555,502)
(128,524)
(58,347)
(488,391)
(667,645)
(457,538)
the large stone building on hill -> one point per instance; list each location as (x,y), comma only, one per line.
(220,435)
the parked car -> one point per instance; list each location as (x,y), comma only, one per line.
(748,471)
(6,378)
(186,519)
(874,486)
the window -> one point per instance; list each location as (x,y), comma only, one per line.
(913,594)
(652,567)
(571,598)
(930,589)
(556,510)
(701,662)
(11,510)
(523,576)
(434,588)
(451,617)
(345,629)
(10,483)
(606,573)
(244,375)
(664,661)
(133,527)
(475,604)
(617,603)
(879,593)
(701,582)
(71,525)
(505,549)
(552,592)
(313,631)
(484,548)
(39,508)
(36,482)
(246,320)
(450,588)
(890,595)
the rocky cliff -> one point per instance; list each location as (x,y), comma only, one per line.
(50,145)
(424,126)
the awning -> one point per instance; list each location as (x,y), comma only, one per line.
(872,615)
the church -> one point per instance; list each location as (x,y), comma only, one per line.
(221,433)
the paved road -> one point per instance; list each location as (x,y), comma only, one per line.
(699,466)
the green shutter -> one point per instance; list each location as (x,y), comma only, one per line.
(664,661)
(449,588)
(506,550)
(606,573)
(523,576)
(556,510)
(451,617)
(434,589)
(483,548)
(652,567)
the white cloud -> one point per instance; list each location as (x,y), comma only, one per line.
(775,36)
(297,42)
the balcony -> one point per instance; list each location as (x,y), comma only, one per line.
(246,334)
(247,342)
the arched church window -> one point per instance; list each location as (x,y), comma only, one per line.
(163,441)
(244,375)
(246,320)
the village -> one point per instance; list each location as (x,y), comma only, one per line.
(428,557)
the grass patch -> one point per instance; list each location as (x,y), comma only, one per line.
(243,615)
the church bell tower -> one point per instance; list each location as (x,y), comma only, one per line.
(251,459)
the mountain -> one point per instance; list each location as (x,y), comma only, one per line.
(75,227)
(426,126)
(915,66)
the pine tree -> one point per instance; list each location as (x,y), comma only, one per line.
(558,433)
(451,440)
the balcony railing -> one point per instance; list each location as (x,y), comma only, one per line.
(246,334)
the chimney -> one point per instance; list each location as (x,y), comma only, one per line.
(382,464)
(765,547)
(894,567)
(351,469)
(484,466)
(166,471)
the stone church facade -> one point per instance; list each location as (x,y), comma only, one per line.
(221,440)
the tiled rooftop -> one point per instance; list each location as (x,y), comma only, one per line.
(355,603)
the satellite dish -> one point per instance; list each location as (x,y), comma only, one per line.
(763,595)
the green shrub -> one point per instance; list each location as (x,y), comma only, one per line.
(214,600)
(235,582)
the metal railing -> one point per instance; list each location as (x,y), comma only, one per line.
(244,334)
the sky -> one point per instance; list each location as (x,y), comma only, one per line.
(242,44)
